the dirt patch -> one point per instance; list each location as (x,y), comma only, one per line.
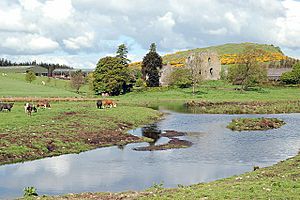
(174,143)
(171,134)
(70,113)
(103,138)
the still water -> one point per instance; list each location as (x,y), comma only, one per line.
(217,152)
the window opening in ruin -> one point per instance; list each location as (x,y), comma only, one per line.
(211,71)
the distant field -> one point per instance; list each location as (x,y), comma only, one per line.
(14,85)
(215,91)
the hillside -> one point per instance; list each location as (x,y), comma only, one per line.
(227,53)
(14,85)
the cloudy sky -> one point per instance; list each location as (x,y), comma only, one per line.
(79,32)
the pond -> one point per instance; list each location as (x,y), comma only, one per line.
(216,153)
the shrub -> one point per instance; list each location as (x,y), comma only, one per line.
(29,192)
(139,83)
(30,76)
(181,78)
(292,77)
(248,71)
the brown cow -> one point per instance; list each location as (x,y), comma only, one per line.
(43,104)
(107,103)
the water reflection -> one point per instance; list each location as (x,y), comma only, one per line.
(151,131)
(217,152)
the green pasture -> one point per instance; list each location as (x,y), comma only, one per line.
(66,126)
(14,85)
(215,91)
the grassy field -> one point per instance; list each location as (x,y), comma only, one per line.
(14,85)
(72,127)
(214,91)
(68,127)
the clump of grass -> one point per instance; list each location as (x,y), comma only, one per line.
(249,124)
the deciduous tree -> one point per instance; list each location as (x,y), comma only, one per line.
(111,76)
(77,80)
(248,71)
(30,76)
(195,64)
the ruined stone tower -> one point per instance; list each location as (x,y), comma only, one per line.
(208,63)
(208,66)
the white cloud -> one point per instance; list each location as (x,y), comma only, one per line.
(80,28)
(219,31)
(11,20)
(32,44)
(58,9)
(290,25)
(78,42)
(30,5)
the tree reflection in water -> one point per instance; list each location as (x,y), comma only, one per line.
(151,131)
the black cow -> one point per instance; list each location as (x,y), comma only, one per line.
(99,104)
(6,106)
(29,108)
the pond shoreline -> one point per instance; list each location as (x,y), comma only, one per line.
(283,172)
(36,143)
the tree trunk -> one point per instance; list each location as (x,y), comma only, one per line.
(193,89)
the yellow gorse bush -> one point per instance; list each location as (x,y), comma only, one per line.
(226,59)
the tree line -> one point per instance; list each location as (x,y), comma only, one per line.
(49,66)
(114,77)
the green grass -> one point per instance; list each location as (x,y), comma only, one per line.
(248,124)
(69,127)
(14,85)
(214,91)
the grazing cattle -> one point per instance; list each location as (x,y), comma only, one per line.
(6,106)
(107,103)
(99,104)
(29,108)
(43,104)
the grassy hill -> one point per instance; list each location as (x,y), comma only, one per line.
(231,48)
(14,85)
(227,53)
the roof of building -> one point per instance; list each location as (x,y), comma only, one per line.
(24,69)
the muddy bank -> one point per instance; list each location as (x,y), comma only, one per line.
(171,134)
(53,143)
(71,131)
(174,143)
(253,107)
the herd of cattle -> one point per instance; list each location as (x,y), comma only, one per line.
(29,108)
